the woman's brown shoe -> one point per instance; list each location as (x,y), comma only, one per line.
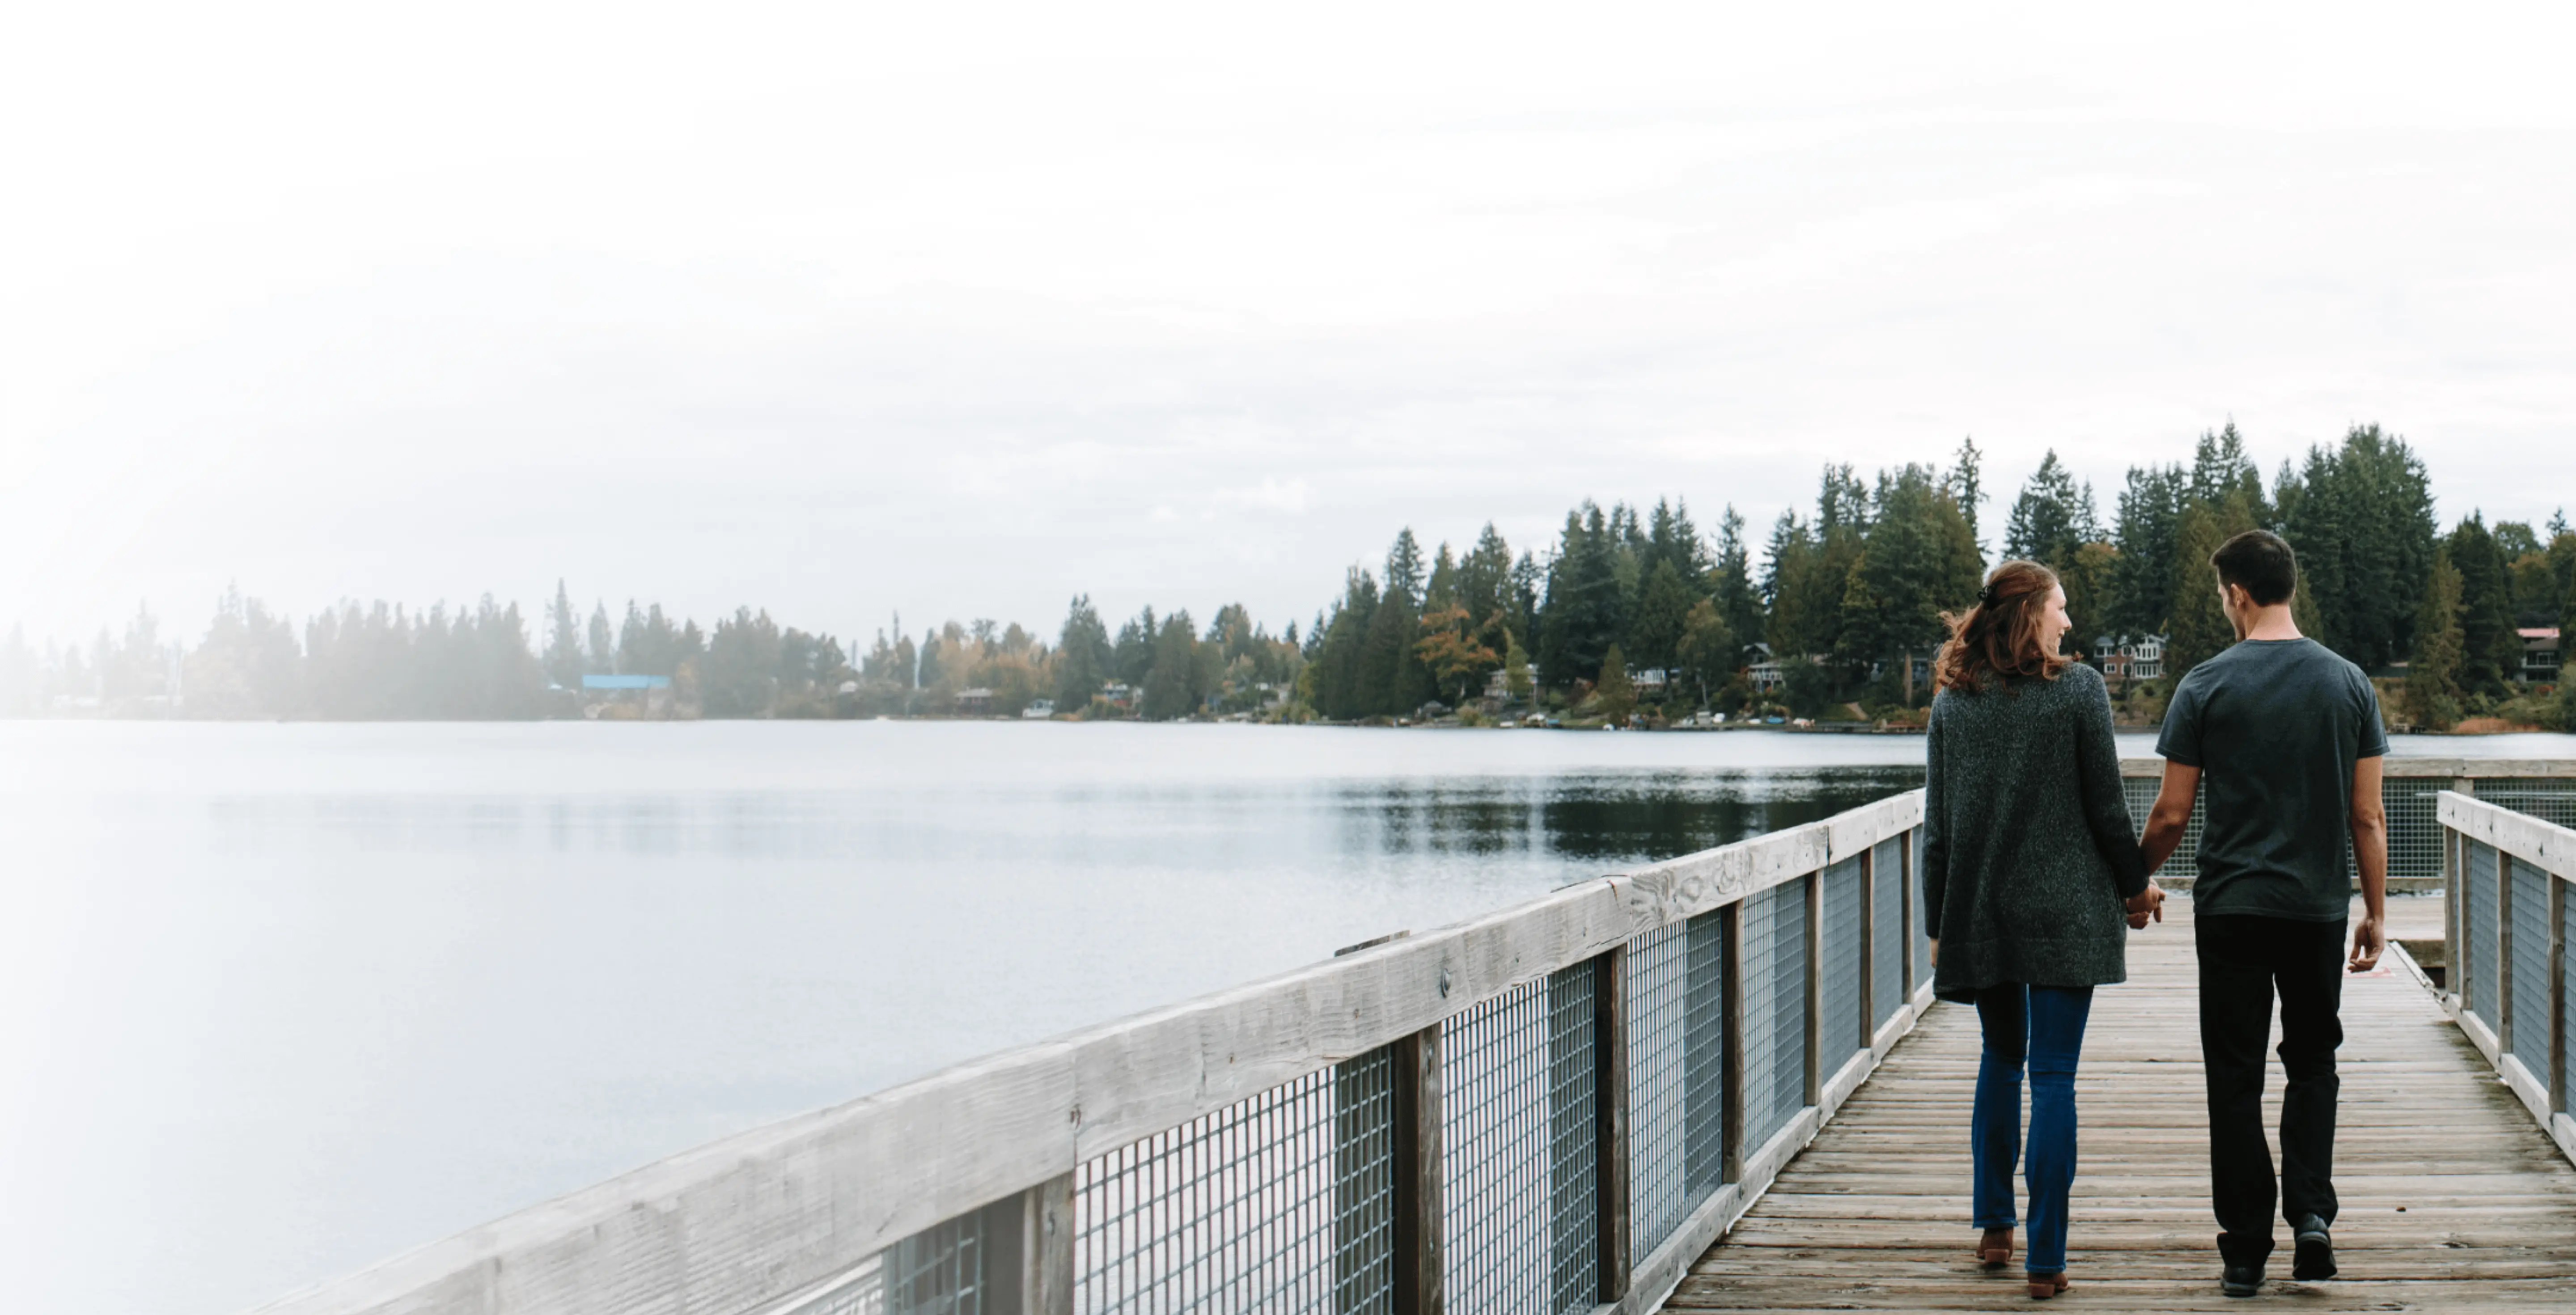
(2044,1286)
(1995,1248)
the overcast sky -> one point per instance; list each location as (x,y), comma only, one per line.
(961,310)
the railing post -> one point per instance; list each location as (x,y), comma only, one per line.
(1869,948)
(2504,955)
(2557,1081)
(1815,986)
(1730,925)
(1417,1149)
(1906,910)
(2455,881)
(1610,1120)
(1046,1248)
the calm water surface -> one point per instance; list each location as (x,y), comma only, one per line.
(280,1000)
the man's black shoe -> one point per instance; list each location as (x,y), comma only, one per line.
(2241,1280)
(2315,1258)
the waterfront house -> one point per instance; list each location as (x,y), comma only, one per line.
(2540,654)
(974,702)
(1038,709)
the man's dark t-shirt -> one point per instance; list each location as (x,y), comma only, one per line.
(2275,726)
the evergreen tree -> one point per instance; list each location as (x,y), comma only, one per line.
(2200,629)
(2433,672)
(563,641)
(1966,485)
(1581,616)
(741,674)
(600,654)
(1337,663)
(1485,582)
(1707,650)
(1739,605)
(1517,679)
(1663,610)
(2144,571)
(1083,656)
(1615,694)
(2490,651)
(248,666)
(1393,680)
(1176,686)
(1133,652)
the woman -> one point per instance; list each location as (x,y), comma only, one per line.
(2030,867)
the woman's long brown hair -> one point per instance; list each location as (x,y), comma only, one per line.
(1999,637)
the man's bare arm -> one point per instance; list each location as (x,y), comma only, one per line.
(2370,854)
(2172,810)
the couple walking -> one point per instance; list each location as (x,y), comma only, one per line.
(2031,866)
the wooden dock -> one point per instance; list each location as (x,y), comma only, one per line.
(2452,1198)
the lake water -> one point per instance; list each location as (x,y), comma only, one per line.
(277,1001)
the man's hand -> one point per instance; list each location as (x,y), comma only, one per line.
(1935,943)
(2367,942)
(2146,904)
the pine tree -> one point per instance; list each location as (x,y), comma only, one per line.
(1615,693)
(563,641)
(1663,609)
(1083,656)
(1176,686)
(2490,650)
(2433,672)
(1731,582)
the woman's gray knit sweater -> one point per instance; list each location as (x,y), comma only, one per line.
(2028,852)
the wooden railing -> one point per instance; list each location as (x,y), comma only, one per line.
(1547,1109)
(2507,878)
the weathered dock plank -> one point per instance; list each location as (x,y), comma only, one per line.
(2453,1200)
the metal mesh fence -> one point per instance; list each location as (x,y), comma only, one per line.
(1775,1010)
(1676,1057)
(1573,1139)
(1886,934)
(938,1271)
(2552,799)
(1518,1143)
(2482,947)
(2413,804)
(1279,1202)
(2140,792)
(2529,1034)
(1838,1028)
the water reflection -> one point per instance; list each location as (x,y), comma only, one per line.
(1604,818)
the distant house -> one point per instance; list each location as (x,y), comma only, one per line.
(617,697)
(1649,680)
(2540,653)
(2129,657)
(1038,709)
(974,702)
(1119,693)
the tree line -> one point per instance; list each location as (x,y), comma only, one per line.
(1627,610)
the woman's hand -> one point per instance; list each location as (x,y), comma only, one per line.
(2146,904)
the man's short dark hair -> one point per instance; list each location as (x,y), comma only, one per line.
(2260,563)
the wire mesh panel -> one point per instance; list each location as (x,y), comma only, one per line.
(1775,1010)
(2482,945)
(1279,1202)
(1886,933)
(1838,1031)
(2529,965)
(938,1271)
(2552,799)
(2141,792)
(1519,1134)
(1676,1006)
(1573,1139)
(2413,804)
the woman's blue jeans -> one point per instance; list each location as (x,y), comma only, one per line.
(2042,1026)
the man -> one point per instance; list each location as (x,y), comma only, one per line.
(2284,738)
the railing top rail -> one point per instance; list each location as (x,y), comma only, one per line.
(731,1221)
(2445,768)
(2549,847)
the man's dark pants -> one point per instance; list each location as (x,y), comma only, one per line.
(2244,960)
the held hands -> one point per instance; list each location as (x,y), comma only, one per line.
(2148,904)
(2367,942)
